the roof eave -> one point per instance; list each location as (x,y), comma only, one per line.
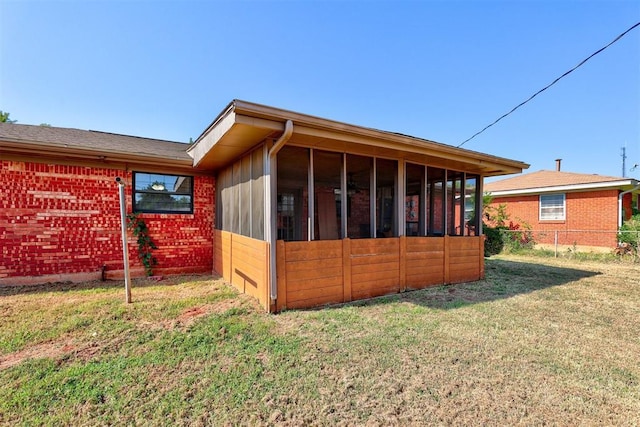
(62,150)
(621,184)
(219,144)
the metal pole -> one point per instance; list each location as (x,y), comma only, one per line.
(125,249)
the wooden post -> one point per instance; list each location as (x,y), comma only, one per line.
(346,270)
(281,276)
(481,253)
(447,240)
(228,275)
(266,274)
(403,263)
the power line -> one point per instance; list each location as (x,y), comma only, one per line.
(549,85)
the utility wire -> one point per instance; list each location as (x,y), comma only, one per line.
(549,85)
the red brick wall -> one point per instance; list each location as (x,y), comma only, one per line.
(627,206)
(61,221)
(360,210)
(591,218)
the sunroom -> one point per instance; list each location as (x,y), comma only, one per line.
(311,211)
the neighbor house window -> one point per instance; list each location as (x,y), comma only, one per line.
(552,207)
(160,193)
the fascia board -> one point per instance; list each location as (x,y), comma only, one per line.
(409,145)
(320,127)
(27,149)
(566,188)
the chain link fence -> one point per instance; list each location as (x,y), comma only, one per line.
(563,240)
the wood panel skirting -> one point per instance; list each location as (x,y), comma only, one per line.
(244,262)
(316,273)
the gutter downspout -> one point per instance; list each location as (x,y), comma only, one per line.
(271,213)
(620,219)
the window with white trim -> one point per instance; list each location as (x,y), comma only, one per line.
(552,207)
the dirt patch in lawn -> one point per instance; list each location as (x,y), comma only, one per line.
(190,315)
(61,348)
(53,350)
(88,320)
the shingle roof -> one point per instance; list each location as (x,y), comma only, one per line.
(92,141)
(546,179)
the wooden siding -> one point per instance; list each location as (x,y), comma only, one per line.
(466,259)
(244,262)
(316,273)
(309,273)
(375,267)
(425,262)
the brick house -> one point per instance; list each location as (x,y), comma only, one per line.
(293,209)
(59,208)
(581,210)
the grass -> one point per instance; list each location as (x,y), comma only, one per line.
(574,254)
(540,341)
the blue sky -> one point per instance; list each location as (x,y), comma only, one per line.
(435,70)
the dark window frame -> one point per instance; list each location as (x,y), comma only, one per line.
(134,192)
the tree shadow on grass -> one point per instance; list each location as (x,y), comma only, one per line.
(503,279)
(138,282)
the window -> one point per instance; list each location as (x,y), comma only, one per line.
(552,207)
(161,193)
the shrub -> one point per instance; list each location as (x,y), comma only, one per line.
(493,242)
(518,236)
(501,233)
(630,232)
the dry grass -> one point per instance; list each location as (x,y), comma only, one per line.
(540,341)
(533,344)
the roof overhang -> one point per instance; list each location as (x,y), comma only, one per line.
(243,125)
(32,149)
(625,184)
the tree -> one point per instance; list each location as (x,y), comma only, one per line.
(4,118)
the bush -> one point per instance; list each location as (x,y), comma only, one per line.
(501,233)
(630,232)
(517,237)
(494,242)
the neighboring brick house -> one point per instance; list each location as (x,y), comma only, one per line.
(293,209)
(582,210)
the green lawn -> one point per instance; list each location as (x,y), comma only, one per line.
(540,341)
